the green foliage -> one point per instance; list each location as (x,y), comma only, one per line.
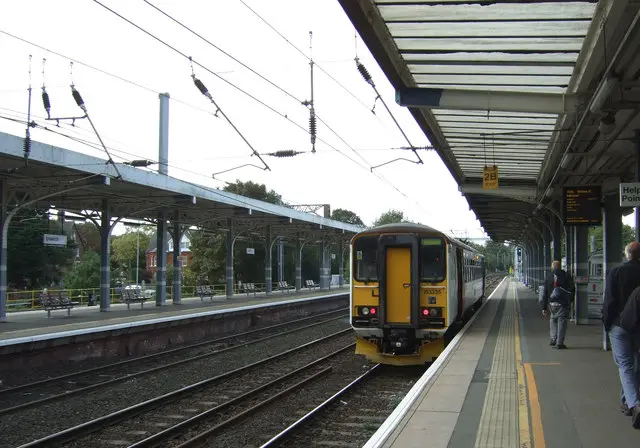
(31,264)
(342,215)
(209,254)
(88,236)
(390,217)
(628,235)
(254,191)
(123,248)
(497,256)
(85,273)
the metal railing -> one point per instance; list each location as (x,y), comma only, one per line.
(30,300)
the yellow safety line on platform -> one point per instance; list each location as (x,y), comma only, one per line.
(536,413)
(523,408)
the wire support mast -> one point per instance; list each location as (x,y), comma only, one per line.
(203,89)
(27,137)
(367,77)
(310,103)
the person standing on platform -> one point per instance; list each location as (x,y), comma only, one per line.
(556,299)
(621,282)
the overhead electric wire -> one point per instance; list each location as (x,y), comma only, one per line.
(269,81)
(228,82)
(305,55)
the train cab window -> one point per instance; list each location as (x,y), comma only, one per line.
(365,250)
(433,260)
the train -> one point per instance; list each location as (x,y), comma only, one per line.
(412,289)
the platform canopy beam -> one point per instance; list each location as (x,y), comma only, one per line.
(459,99)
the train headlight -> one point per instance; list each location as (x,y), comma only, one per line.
(434,312)
(365,311)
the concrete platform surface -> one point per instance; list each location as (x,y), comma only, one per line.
(502,385)
(35,325)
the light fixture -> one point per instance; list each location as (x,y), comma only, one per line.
(566,159)
(608,123)
(602,94)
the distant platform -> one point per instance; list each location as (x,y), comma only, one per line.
(33,326)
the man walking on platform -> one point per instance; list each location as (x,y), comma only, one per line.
(558,290)
(621,282)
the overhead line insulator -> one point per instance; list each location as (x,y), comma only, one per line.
(46,102)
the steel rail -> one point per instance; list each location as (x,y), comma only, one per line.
(319,408)
(163,436)
(70,393)
(106,420)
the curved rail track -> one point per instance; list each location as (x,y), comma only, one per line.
(51,389)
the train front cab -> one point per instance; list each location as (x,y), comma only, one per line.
(399,297)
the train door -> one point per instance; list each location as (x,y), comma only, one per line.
(399,282)
(398,285)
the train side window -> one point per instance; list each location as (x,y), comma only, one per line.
(432,259)
(365,252)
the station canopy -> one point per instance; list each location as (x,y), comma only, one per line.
(505,91)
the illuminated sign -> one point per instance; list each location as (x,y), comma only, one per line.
(490,177)
(581,206)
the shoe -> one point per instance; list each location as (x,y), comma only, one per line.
(635,417)
(625,409)
(552,342)
(561,346)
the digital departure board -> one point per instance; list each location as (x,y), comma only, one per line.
(581,206)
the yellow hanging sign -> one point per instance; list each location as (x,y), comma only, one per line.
(490,177)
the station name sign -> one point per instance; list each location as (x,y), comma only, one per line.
(54,240)
(630,194)
(581,206)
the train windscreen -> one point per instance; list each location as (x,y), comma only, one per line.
(433,265)
(365,259)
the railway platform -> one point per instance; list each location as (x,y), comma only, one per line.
(500,384)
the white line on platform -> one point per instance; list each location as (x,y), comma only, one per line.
(390,424)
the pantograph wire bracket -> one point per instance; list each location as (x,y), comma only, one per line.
(27,138)
(203,89)
(238,167)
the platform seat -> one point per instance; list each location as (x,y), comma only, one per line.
(130,296)
(56,301)
(205,292)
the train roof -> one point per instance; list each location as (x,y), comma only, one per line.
(412,227)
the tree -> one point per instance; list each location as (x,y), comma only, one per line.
(209,249)
(124,249)
(88,236)
(342,215)
(30,262)
(254,191)
(390,217)
(628,235)
(85,273)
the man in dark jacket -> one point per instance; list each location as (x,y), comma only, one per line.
(556,299)
(621,282)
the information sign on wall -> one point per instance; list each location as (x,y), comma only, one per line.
(630,194)
(251,251)
(490,177)
(54,240)
(581,206)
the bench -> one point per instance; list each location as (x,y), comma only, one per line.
(50,302)
(284,286)
(130,296)
(251,288)
(310,284)
(205,291)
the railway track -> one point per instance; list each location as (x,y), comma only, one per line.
(353,414)
(215,403)
(64,386)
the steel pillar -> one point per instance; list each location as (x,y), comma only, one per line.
(612,234)
(547,240)
(341,265)
(176,235)
(163,146)
(581,257)
(325,266)
(230,244)
(161,259)
(556,227)
(105,262)
(568,246)
(298,258)
(280,259)
(4,226)
(268,245)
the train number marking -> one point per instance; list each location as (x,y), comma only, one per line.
(432,291)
